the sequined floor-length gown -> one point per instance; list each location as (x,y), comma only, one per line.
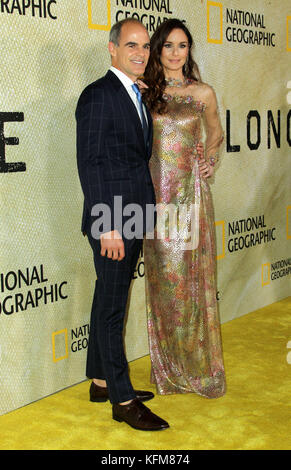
(182,314)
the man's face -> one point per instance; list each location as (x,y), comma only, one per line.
(132,54)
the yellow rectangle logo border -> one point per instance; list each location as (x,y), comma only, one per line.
(64,331)
(269,274)
(100,27)
(210,3)
(221,222)
(288,235)
(288,19)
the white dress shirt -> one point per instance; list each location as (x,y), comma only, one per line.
(127,83)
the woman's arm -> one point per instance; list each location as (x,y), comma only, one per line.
(214,132)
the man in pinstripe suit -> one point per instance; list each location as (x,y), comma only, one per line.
(114,139)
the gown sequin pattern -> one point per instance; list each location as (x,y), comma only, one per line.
(182,313)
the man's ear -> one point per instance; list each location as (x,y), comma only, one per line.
(111,48)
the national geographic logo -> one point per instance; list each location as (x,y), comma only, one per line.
(79,338)
(60,342)
(220,237)
(246,233)
(276,270)
(243,27)
(242,234)
(36,8)
(96,12)
(60,345)
(150,12)
(14,296)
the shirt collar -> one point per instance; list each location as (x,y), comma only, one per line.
(125,80)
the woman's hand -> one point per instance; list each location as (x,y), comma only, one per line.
(200,150)
(142,86)
(205,169)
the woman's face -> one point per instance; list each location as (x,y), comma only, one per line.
(174,52)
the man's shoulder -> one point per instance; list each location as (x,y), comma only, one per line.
(99,91)
(95,88)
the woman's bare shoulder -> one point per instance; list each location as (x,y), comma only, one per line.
(203,90)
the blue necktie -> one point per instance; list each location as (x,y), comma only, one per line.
(144,123)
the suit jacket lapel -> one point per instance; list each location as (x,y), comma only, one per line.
(150,138)
(129,108)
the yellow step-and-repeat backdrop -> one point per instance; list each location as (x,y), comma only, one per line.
(50,50)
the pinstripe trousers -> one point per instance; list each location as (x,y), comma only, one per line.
(106,357)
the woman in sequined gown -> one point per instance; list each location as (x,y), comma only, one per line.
(180,258)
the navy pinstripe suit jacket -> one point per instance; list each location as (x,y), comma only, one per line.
(111,154)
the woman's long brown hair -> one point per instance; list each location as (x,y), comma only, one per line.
(154,75)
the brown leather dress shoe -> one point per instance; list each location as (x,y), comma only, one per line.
(100,394)
(138,416)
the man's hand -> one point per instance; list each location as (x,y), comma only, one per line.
(112,244)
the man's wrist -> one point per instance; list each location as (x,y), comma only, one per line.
(112,235)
